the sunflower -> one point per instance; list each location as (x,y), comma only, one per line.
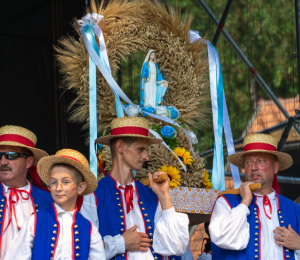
(173,173)
(183,155)
(206,181)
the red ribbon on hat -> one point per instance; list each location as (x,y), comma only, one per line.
(259,146)
(128,196)
(129,130)
(14,192)
(16,138)
(70,158)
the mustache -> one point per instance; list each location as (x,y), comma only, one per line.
(3,167)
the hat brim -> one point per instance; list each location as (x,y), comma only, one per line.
(44,165)
(238,159)
(105,140)
(37,153)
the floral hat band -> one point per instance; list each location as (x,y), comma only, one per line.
(125,130)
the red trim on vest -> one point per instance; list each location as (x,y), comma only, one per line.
(129,130)
(16,138)
(4,214)
(138,196)
(74,220)
(259,240)
(91,228)
(96,201)
(259,146)
(70,158)
(58,229)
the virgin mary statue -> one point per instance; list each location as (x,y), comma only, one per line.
(152,85)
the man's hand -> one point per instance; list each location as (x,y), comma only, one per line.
(161,190)
(287,237)
(246,193)
(136,241)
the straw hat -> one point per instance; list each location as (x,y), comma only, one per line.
(260,143)
(128,127)
(21,137)
(73,158)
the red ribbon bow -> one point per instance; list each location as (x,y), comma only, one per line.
(12,202)
(266,202)
(128,196)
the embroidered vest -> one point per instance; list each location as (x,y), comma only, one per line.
(47,235)
(40,200)
(288,213)
(111,210)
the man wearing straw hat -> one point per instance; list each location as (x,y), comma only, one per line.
(18,197)
(259,225)
(142,221)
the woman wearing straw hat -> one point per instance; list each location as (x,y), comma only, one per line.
(261,225)
(142,221)
(18,197)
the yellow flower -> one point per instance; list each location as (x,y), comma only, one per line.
(101,158)
(183,155)
(206,181)
(173,173)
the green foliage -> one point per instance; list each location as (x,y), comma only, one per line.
(172,143)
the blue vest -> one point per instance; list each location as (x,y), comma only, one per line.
(40,200)
(111,216)
(288,213)
(47,234)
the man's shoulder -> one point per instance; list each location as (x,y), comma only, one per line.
(289,202)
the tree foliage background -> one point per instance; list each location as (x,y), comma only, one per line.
(266,33)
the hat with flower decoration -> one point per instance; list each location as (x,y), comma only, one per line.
(128,127)
(73,158)
(19,136)
(262,143)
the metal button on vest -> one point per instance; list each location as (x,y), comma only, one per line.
(143,209)
(256,239)
(122,229)
(77,247)
(51,258)
(119,204)
(156,258)
(53,238)
(52,252)
(255,208)
(52,245)
(117,193)
(118,198)
(36,210)
(173,259)
(55,225)
(255,244)
(149,228)
(256,250)
(75,226)
(255,213)
(2,200)
(256,221)
(0,216)
(148,220)
(287,256)
(145,215)
(77,255)
(153,252)
(280,216)
(287,250)
(121,211)
(1,206)
(150,234)
(281,221)
(256,256)
(77,240)
(123,255)
(256,216)
(141,203)
(151,240)
(1,210)
(256,227)
(279,212)
(122,217)
(36,205)
(54,232)
(122,223)
(76,233)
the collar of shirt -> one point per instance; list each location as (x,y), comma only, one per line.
(271,196)
(60,211)
(131,183)
(27,188)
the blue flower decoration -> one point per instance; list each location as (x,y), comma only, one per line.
(168,132)
(148,109)
(172,112)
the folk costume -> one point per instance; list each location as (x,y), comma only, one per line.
(120,207)
(152,90)
(17,205)
(239,232)
(54,233)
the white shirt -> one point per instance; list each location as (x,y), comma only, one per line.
(170,236)
(23,208)
(229,228)
(21,247)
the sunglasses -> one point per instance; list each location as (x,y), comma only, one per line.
(13,155)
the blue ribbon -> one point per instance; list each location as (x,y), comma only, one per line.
(220,118)
(89,31)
